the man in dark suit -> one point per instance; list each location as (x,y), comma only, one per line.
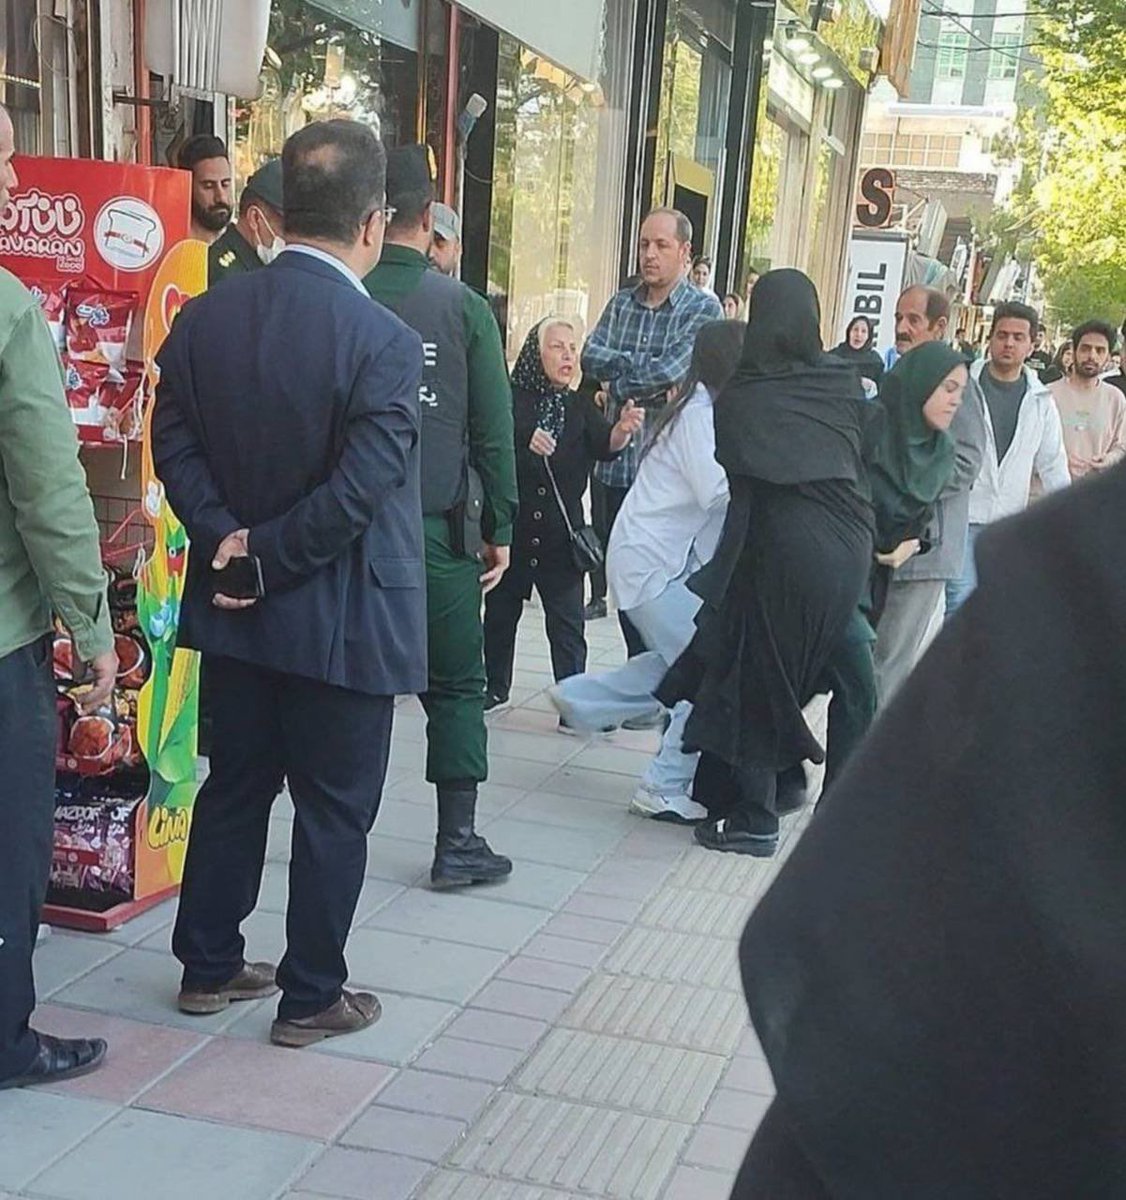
(286,430)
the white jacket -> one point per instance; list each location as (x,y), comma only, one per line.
(1002,489)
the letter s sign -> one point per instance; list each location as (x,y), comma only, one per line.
(877,196)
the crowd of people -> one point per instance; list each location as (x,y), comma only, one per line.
(773,520)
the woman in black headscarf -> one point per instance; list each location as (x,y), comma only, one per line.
(558,425)
(792,564)
(857,349)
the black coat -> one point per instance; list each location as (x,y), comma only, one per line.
(288,404)
(541,548)
(937,975)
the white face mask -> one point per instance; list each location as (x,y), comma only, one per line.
(267,254)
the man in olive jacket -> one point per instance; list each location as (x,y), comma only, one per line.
(49,562)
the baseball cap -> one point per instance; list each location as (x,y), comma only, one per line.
(266,184)
(447,224)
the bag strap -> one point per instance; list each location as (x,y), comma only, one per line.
(559,498)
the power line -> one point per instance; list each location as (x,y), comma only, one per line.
(938,12)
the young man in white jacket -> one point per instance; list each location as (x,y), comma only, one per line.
(1024,435)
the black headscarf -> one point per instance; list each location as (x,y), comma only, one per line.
(791,413)
(529,375)
(866,360)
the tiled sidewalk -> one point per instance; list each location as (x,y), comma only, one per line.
(579,1031)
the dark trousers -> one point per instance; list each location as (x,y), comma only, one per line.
(563,619)
(851,676)
(333,746)
(28,734)
(605,504)
(745,795)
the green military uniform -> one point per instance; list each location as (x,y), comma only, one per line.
(455,699)
(230,254)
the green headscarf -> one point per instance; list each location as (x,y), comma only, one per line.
(909,463)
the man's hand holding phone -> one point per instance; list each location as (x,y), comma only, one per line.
(237,582)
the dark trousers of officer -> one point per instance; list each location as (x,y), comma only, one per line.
(28,736)
(563,619)
(333,746)
(456,741)
(605,504)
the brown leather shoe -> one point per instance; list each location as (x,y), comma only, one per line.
(254,982)
(351,1013)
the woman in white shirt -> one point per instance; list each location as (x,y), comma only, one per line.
(666,530)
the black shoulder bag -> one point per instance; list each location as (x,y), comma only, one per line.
(586,547)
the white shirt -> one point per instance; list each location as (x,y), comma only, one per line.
(673,514)
(332,260)
(1003,488)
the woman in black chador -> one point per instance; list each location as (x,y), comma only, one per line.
(791,566)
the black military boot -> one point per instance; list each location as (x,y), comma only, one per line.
(462,857)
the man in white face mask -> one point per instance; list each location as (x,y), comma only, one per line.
(255,239)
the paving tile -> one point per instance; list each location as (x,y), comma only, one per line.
(419,966)
(453,1185)
(697,912)
(571,812)
(535,884)
(263,931)
(504,743)
(441,1095)
(275,892)
(141,1153)
(631,878)
(411,822)
(497,1029)
(717,1148)
(65,957)
(133,932)
(415,1135)
(605,756)
(606,908)
(407,1025)
(564,950)
(141,985)
(522,773)
(560,977)
(673,1014)
(528,842)
(676,958)
(459,917)
(586,784)
(37,1127)
(471,1060)
(139,1054)
(584,928)
(749,1044)
(657,840)
(641,1077)
(692,1183)
(733,874)
(750,1075)
(247,1083)
(363,1175)
(521,1000)
(397,860)
(554,1143)
(737,1110)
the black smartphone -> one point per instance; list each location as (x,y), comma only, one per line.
(240,579)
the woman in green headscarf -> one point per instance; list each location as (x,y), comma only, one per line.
(911,455)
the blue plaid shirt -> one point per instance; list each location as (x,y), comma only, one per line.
(638,350)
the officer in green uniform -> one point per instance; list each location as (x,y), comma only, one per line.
(468,501)
(255,239)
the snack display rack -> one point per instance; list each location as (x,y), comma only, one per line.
(105,248)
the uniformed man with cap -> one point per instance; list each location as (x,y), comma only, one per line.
(255,239)
(468,501)
(445,253)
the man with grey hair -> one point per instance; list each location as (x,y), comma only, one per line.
(639,350)
(49,562)
(445,250)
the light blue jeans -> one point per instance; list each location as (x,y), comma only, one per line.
(958,591)
(666,624)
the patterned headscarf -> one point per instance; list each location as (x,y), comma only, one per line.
(529,376)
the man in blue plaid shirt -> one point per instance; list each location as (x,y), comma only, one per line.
(640,349)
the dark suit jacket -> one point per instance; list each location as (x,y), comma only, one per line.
(288,405)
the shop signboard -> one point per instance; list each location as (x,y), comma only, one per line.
(877,263)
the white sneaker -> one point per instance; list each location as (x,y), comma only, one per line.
(677,807)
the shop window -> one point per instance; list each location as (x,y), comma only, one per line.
(1004,58)
(19,72)
(953,54)
(321,66)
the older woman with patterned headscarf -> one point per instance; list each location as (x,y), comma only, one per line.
(560,434)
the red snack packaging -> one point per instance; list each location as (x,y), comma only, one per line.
(132,660)
(98,324)
(104,403)
(120,400)
(53,303)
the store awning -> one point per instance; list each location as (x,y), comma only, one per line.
(207,46)
(573,38)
